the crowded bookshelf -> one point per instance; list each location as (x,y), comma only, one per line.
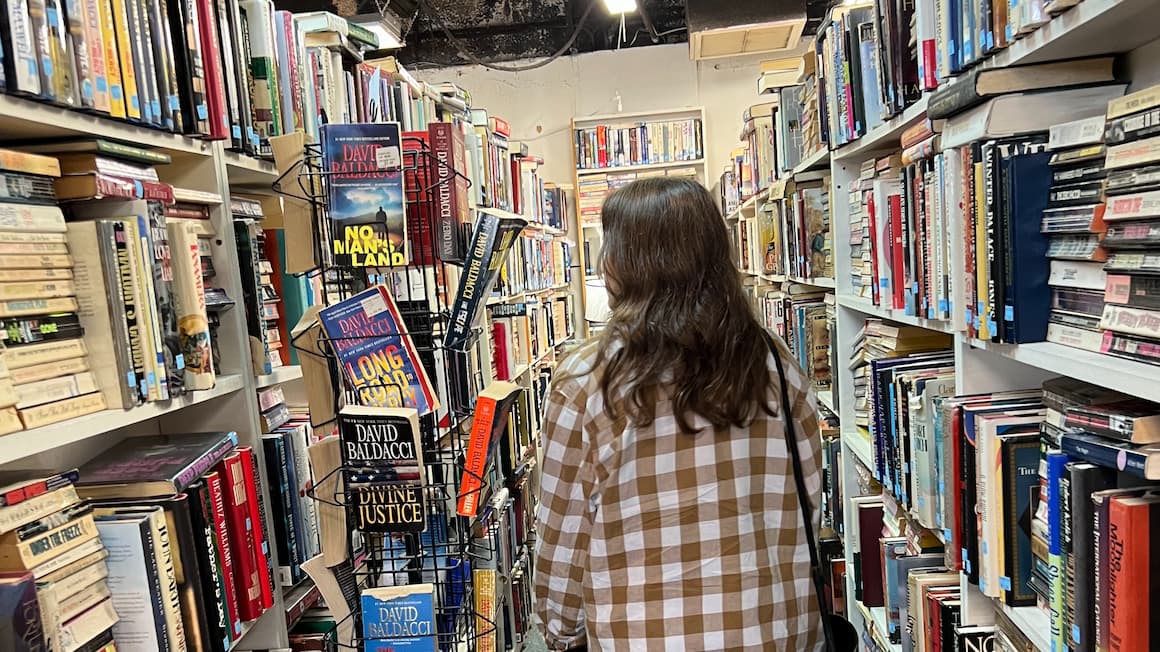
(281,304)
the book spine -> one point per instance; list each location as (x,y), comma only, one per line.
(286,539)
(138,256)
(35,550)
(255,498)
(471,486)
(76,39)
(148,79)
(309,515)
(219,128)
(228,63)
(167,576)
(43,415)
(214,484)
(22,65)
(124,54)
(241,538)
(294,505)
(111,55)
(128,284)
(55,389)
(212,579)
(166,67)
(189,299)
(1127,583)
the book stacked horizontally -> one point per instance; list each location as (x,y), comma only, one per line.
(184,519)
(54,580)
(1131,318)
(1074,225)
(45,371)
(139,277)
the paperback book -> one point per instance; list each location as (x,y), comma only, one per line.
(367,207)
(376,353)
(490,242)
(399,618)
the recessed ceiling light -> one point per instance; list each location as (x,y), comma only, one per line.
(620,6)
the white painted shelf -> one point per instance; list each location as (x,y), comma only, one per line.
(1032,621)
(819,160)
(28,119)
(245,170)
(25,443)
(1127,376)
(826,398)
(868,308)
(640,168)
(859,444)
(279,376)
(884,136)
(816,281)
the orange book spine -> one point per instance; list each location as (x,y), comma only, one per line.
(1128,586)
(475,465)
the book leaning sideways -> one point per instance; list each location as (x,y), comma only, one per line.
(367,208)
(494,234)
(376,353)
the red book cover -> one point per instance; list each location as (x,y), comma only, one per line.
(258,525)
(452,208)
(517,199)
(930,66)
(417,179)
(954,557)
(487,425)
(897,281)
(213,481)
(1131,569)
(501,127)
(219,128)
(284,20)
(242,545)
(500,351)
(602,146)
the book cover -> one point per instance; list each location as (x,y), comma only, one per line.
(487,426)
(1020,478)
(1086,479)
(367,207)
(376,353)
(380,438)
(193,332)
(256,500)
(153,465)
(20,624)
(216,614)
(494,234)
(215,490)
(1133,567)
(399,618)
(134,580)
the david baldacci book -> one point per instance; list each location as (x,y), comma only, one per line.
(399,618)
(377,437)
(495,231)
(491,410)
(367,207)
(376,353)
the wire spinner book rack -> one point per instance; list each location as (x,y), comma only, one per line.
(445,553)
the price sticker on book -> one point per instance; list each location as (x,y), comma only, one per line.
(388,158)
(374,304)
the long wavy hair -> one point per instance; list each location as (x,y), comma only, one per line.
(680,322)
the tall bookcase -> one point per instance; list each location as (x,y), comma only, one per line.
(1092,27)
(589,232)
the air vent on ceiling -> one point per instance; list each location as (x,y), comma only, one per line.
(738,27)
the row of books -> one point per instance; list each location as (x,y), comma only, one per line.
(641,143)
(157,543)
(1100,228)
(799,315)
(536,262)
(98,310)
(594,189)
(295,512)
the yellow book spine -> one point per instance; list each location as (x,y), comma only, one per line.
(112,60)
(43,415)
(125,54)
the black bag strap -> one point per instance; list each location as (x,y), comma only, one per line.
(803,495)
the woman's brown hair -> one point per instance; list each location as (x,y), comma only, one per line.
(681,324)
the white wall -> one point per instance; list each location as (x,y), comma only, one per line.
(540,103)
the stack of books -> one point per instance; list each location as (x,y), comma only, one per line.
(813,133)
(877,179)
(53,572)
(295,512)
(1074,225)
(263,303)
(787,135)
(797,314)
(183,518)
(46,374)
(642,143)
(760,156)
(1130,324)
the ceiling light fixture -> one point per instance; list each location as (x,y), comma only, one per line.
(620,6)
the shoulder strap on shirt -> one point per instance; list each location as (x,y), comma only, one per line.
(803,494)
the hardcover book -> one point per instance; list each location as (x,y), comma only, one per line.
(381,438)
(376,353)
(20,626)
(494,234)
(367,207)
(399,618)
(157,465)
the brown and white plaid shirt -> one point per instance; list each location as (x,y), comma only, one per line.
(651,539)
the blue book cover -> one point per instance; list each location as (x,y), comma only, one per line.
(376,353)
(1028,304)
(366,206)
(399,618)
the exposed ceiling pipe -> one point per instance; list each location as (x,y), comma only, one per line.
(648,23)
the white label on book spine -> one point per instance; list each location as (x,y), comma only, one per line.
(1077,132)
(1133,153)
(1133,321)
(1139,205)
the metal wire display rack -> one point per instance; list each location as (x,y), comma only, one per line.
(451,545)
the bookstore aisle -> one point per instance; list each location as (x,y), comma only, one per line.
(282,293)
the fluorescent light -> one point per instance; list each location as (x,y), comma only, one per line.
(620,6)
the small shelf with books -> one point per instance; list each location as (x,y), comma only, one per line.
(885,136)
(826,398)
(245,171)
(1127,376)
(1033,622)
(644,167)
(865,307)
(819,160)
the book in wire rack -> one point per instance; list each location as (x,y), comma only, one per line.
(367,206)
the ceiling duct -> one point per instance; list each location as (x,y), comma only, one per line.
(733,28)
